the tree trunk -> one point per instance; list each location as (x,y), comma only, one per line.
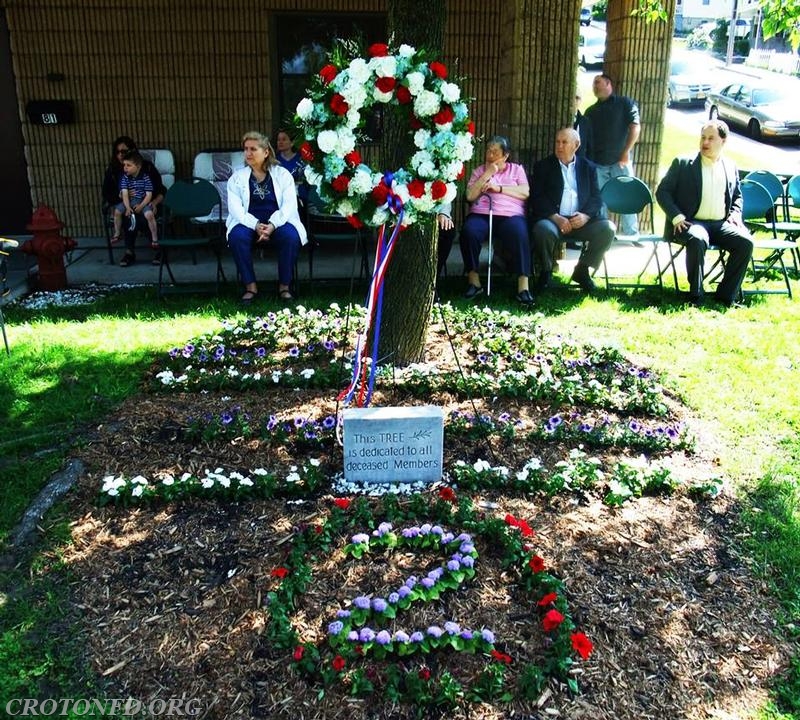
(410,278)
(637,58)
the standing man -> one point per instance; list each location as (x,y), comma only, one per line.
(703,204)
(615,125)
(565,203)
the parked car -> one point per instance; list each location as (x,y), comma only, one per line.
(591,47)
(689,82)
(586,16)
(742,28)
(766,111)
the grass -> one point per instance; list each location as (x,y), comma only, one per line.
(69,367)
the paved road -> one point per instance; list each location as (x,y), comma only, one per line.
(780,156)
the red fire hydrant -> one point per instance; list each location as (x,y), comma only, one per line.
(49,247)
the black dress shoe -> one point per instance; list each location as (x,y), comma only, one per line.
(572,245)
(581,276)
(473,291)
(543,282)
(525,298)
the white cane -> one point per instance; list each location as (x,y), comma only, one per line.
(491,249)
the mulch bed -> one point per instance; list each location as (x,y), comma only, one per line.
(173,597)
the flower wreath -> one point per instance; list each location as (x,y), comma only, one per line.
(332,118)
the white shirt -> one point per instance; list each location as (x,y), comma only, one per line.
(569,197)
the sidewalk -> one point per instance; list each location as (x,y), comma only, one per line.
(89,263)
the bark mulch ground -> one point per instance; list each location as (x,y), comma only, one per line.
(173,597)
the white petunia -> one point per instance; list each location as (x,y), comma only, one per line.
(406,51)
(382,97)
(137,491)
(327,140)
(450,92)
(305,108)
(345,141)
(307,373)
(426,103)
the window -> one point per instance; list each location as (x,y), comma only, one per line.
(302,42)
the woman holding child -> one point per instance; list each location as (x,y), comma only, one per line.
(262,209)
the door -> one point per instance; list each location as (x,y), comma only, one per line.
(15,190)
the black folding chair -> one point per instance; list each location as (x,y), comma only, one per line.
(5,245)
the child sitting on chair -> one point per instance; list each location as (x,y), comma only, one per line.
(136,191)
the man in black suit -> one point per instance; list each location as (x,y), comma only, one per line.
(703,204)
(565,203)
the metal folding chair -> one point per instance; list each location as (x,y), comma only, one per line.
(5,245)
(631,196)
(185,201)
(758,214)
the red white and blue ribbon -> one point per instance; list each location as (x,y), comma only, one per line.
(362,381)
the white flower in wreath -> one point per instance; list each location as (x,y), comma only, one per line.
(305,109)
(463,148)
(355,95)
(327,140)
(426,104)
(384,66)
(312,176)
(422,162)
(380,216)
(361,182)
(451,193)
(382,97)
(450,92)
(347,207)
(359,70)
(416,82)
(345,141)
(422,138)
(425,203)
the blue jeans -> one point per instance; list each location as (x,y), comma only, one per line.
(628,224)
(284,239)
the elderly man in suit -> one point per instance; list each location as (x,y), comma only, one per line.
(703,204)
(566,204)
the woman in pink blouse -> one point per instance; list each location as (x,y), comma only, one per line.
(503,186)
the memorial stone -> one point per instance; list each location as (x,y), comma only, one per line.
(393,444)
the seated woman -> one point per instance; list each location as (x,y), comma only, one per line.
(112,197)
(262,209)
(502,186)
(291,160)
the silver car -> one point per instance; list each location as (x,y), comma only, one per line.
(766,111)
(687,85)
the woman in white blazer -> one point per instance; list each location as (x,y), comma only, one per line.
(262,208)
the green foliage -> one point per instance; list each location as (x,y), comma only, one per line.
(650,11)
(782,16)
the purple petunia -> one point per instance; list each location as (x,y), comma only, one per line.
(294,352)
(411,532)
(360,539)
(329,422)
(555,421)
